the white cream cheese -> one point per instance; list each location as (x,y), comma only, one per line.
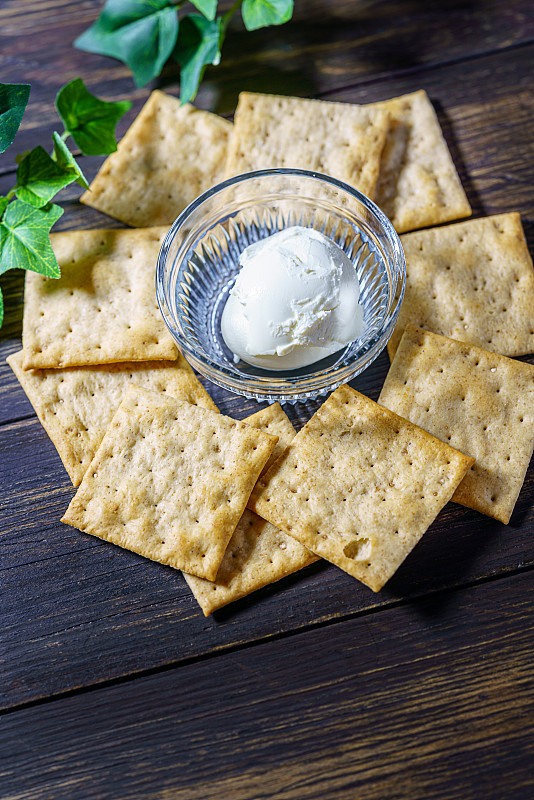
(295,301)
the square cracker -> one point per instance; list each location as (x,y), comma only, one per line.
(418,183)
(275,421)
(359,486)
(338,139)
(103,309)
(479,402)
(76,405)
(258,553)
(472,281)
(169,156)
(170,481)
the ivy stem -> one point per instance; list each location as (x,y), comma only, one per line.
(231,11)
(65,135)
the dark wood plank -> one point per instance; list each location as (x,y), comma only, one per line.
(430,701)
(326,46)
(66,594)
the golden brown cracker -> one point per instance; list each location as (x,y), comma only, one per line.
(275,421)
(103,309)
(338,139)
(258,553)
(418,183)
(359,486)
(76,405)
(472,281)
(170,155)
(170,481)
(478,402)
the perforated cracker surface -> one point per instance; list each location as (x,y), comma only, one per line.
(472,281)
(418,183)
(258,553)
(76,405)
(359,486)
(170,481)
(169,155)
(103,309)
(275,421)
(338,139)
(479,402)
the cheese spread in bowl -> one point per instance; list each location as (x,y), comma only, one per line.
(320,279)
(294,301)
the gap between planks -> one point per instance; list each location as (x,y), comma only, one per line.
(407,72)
(366,81)
(243,646)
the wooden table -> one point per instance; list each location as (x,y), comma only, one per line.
(113,684)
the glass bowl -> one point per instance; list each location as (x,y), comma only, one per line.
(199,260)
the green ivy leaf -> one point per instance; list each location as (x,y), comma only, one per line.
(39,178)
(25,240)
(21,156)
(90,121)
(13,101)
(3,203)
(206,7)
(261,13)
(65,159)
(140,33)
(199,44)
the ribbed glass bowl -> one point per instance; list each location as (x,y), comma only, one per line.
(199,260)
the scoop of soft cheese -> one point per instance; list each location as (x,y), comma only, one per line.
(295,301)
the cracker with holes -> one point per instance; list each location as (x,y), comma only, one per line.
(103,309)
(338,139)
(359,486)
(170,481)
(275,421)
(75,405)
(258,553)
(479,402)
(169,156)
(418,184)
(472,281)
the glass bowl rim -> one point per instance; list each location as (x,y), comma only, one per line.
(238,384)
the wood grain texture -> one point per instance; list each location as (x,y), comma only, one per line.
(325,46)
(66,594)
(419,702)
